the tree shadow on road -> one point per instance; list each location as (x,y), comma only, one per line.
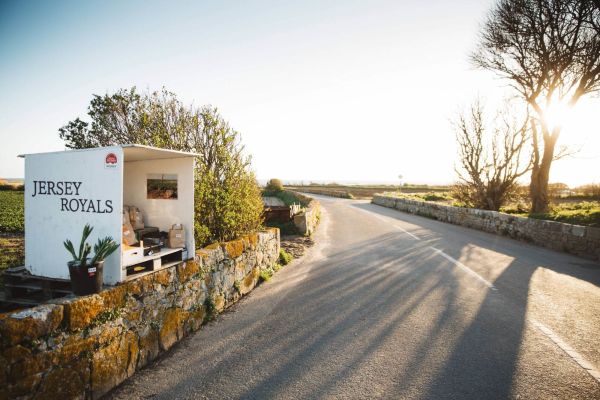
(484,361)
(385,318)
(433,231)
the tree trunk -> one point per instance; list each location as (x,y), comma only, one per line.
(540,174)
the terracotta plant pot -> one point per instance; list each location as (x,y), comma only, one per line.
(86,280)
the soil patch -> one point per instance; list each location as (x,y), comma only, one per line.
(296,245)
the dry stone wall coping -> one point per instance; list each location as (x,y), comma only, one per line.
(307,220)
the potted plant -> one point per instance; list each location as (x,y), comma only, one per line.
(86,273)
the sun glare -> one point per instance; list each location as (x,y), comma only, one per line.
(579,133)
(558,114)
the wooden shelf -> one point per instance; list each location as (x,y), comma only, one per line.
(163,252)
(23,289)
(170,264)
(165,258)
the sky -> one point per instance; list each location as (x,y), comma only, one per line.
(359,91)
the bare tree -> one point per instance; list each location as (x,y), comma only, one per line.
(549,50)
(490,163)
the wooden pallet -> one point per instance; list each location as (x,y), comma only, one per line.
(21,289)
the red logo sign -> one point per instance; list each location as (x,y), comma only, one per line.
(111,158)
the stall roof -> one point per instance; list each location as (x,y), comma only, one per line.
(134,152)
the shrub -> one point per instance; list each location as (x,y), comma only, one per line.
(432,196)
(492,158)
(227,207)
(227,195)
(517,208)
(591,190)
(284,257)
(582,213)
(211,309)
(436,197)
(576,217)
(274,185)
(265,275)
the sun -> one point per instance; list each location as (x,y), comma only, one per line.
(557,114)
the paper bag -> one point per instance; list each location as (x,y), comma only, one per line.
(136,218)
(176,236)
(128,235)
(125,216)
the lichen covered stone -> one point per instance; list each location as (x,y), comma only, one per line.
(83,347)
(30,324)
(249,281)
(67,382)
(186,270)
(141,285)
(114,363)
(114,297)
(234,248)
(149,348)
(219,302)
(83,310)
(171,329)
(165,277)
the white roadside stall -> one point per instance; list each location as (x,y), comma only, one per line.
(66,190)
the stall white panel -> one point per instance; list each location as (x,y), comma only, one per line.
(63,192)
(162,213)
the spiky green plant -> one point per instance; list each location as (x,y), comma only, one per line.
(102,249)
(84,248)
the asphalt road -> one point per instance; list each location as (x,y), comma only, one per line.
(391,305)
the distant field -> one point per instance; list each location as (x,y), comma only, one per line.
(11,184)
(12,211)
(363,192)
(12,221)
(285,196)
(12,252)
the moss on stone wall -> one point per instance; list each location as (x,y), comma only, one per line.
(83,347)
(234,248)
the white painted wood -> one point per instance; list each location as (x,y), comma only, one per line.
(133,256)
(163,213)
(52,218)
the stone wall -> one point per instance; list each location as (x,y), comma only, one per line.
(579,240)
(307,220)
(82,347)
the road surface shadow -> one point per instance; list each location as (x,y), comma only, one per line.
(385,318)
(563,263)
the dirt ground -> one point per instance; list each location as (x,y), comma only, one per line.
(12,252)
(296,245)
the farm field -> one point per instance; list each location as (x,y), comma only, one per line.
(578,208)
(12,211)
(12,221)
(12,251)
(363,191)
